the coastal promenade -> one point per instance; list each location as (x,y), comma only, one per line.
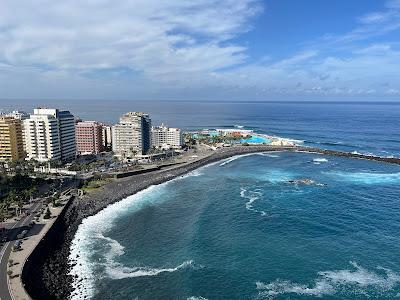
(46,272)
(6,251)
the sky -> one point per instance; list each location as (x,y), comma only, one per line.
(200,50)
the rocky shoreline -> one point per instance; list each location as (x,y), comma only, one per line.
(45,274)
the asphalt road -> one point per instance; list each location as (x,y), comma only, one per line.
(7,248)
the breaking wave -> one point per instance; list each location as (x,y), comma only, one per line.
(319,159)
(119,272)
(231,159)
(345,283)
(269,155)
(94,228)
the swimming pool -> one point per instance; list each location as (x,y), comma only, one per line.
(255,139)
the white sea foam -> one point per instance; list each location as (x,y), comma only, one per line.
(231,159)
(320,159)
(251,197)
(117,271)
(355,281)
(196,298)
(277,176)
(94,228)
(367,177)
(269,155)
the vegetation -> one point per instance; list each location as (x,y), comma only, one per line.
(87,166)
(212,140)
(95,183)
(16,190)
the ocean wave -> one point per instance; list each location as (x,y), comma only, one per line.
(341,282)
(366,177)
(251,197)
(118,271)
(319,159)
(92,232)
(269,155)
(196,298)
(231,159)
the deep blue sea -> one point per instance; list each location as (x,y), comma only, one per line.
(244,228)
(240,229)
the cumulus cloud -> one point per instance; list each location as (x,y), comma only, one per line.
(154,48)
(150,36)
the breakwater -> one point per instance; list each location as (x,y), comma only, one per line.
(49,267)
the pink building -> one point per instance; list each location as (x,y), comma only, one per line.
(89,137)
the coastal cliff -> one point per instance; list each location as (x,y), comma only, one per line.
(46,272)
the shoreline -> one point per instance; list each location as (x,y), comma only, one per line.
(46,273)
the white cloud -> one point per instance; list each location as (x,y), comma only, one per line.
(154,37)
(165,48)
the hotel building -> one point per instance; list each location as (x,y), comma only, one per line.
(50,135)
(132,135)
(165,137)
(11,143)
(89,137)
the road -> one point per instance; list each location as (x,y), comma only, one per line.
(7,248)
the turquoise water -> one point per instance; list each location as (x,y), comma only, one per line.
(238,229)
(256,140)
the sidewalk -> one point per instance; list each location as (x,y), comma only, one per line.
(29,243)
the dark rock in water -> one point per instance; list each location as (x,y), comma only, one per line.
(305,181)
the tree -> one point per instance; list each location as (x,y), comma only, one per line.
(47,215)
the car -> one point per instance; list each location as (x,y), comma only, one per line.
(17,245)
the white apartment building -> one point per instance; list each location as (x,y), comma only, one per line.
(132,135)
(164,137)
(42,138)
(50,135)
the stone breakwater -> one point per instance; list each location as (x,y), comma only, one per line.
(46,273)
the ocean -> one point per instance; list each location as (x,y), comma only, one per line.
(261,226)
(249,228)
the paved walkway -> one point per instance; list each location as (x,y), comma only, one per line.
(7,250)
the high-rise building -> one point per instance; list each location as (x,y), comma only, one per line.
(89,137)
(66,123)
(42,137)
(132,135)
(20,115)
(11,143)
(50,135)
(107,137)
(165,137)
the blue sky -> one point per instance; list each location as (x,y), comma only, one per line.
(200,49)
